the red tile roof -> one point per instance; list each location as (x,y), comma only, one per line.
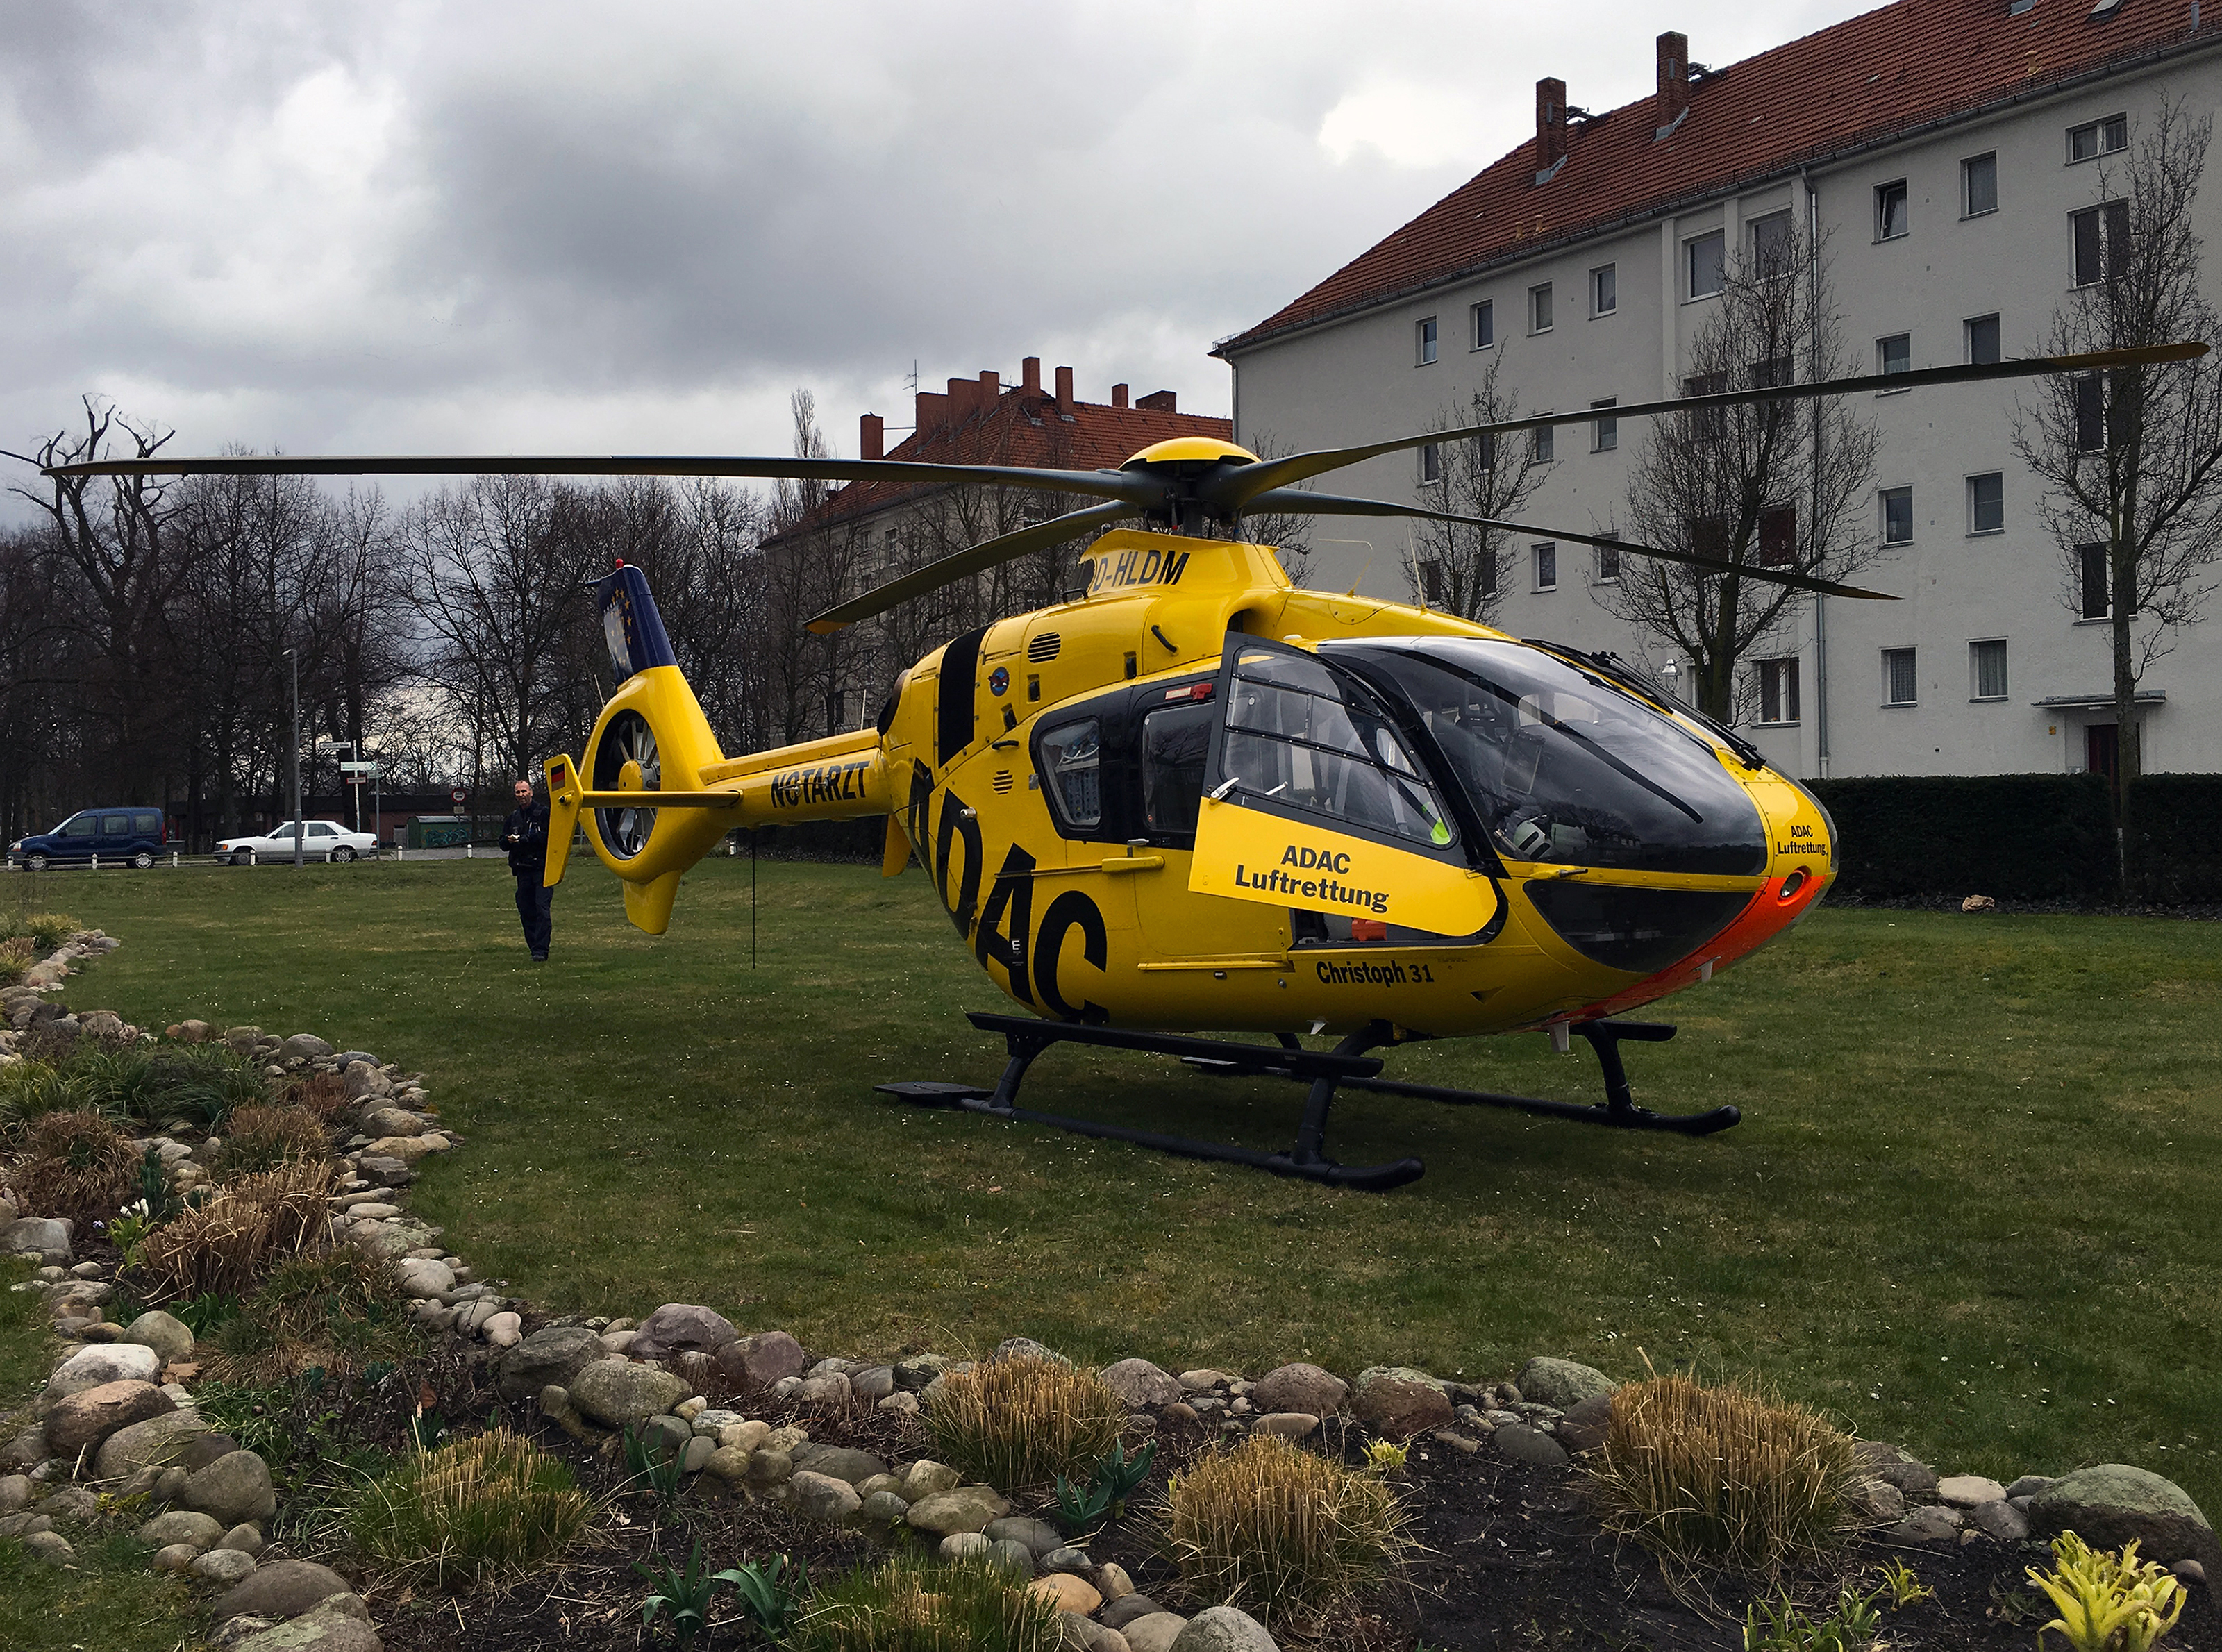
(1869,80)
(1019,427)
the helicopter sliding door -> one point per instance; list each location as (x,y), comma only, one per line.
(1314,803)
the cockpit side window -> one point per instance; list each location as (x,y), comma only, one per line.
(1176,742)
(1070,758)
(1306,739)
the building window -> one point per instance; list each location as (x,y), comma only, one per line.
(1547,567)
(1483,319)
(1539,308)
(1431,463)
(1890,210)
(1707,423)
(1778,536)
(1605,433)
(1604,289)
(1986,503)
(1708,256)
(1982,339)
(1489,560)
(1608,563)
(1894,354)
(2101,235)
(1431,582)
(1897,516)
(2097,594)
(2090,413)
(1898,686)
(1773,244)
(1777,691)
(1547,443)
(1426,330)
(1978,186)
(1987,665)
(2096,138)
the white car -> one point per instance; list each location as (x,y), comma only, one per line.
(320,840)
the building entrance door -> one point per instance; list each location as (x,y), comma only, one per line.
(2102,749)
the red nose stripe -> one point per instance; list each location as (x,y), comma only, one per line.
(1773,909)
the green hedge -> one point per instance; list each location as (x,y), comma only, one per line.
(2025,837)
(2175,838)
(2014,837)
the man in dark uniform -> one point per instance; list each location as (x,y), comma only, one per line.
(525,835)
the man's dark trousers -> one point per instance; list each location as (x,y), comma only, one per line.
(528,861)
(534,899)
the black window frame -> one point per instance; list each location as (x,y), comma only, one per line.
(1968,173)
(1885,194)
(1977,504)
(1886,497)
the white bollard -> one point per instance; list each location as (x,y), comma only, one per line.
(466,852)
(173,860)
(250,855)
(96,862)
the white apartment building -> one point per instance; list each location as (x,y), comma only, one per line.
(1944,150)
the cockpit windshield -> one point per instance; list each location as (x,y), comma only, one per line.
(1562,765)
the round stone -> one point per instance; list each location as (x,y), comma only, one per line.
(223,1566)
(1067,1593)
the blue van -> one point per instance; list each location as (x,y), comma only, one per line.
(116,834)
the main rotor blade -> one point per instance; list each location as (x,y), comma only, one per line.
(1297,501)
(974,560)
(1232,491)
(1103,484)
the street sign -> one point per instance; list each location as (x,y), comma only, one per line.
(459,796)
(358,768)
(358,780)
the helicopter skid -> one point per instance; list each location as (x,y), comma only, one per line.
(1346,1067)
(1026,1039)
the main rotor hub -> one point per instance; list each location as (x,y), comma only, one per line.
(1184,465)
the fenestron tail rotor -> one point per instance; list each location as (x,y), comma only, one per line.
(1182,483)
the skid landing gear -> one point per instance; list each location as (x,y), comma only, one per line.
(1346,1066)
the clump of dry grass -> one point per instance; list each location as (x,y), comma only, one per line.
(1024,1421)
(77,1164)
(1722,1476)
(487,1507)
(323,1093)
(340,1310)
(249,1228)
(258,1138)
(908,1604)
(1279,1530)
(17,954)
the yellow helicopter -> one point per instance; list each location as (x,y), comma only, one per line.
(1191,795)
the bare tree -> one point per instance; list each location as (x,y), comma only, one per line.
(495,571)
(2132,463)
(1459,568)
(1775,485)
(115,534)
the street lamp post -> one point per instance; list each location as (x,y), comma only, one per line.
(294,746)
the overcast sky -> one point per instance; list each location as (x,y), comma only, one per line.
(504,227)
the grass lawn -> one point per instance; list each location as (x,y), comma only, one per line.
(1971,1208)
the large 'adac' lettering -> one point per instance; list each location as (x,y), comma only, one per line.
(1013,893)
(1071,910)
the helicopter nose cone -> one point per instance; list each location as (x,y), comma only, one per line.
(1801,864)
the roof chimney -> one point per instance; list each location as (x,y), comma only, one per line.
(872,437)
(991,385)
(1673,82)
(1065,390)
(1550,129)
(1159,401)
(932,413)
(1118,395)
(1030,375)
